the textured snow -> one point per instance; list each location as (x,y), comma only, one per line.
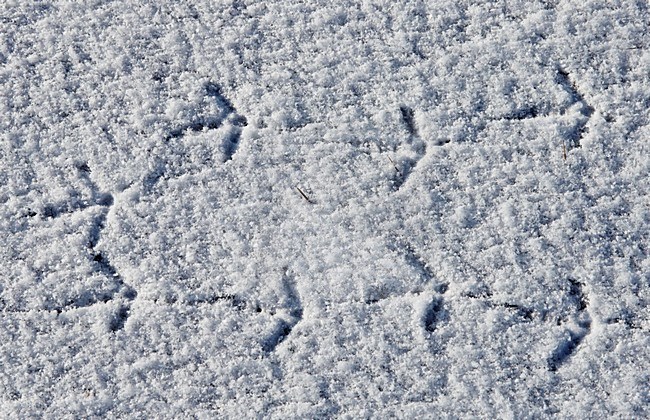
(364,209)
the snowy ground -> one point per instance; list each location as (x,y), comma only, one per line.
(299,209)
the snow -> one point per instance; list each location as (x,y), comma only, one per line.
(351,210)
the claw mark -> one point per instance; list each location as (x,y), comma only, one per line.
(292,304)
(578,294)
(521,311)
(408,118)
(432,315)
(208,123)
(586,110)
(119,319)
(104,265)
(54,212)
(627,319)
(522,114)
(234,300)
(484,294)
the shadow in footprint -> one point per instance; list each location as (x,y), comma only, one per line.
(284,326)
(569,347)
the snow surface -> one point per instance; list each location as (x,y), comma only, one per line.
(302,209)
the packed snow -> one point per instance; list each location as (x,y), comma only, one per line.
(356,209)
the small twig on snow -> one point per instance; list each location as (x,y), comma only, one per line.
(395,166)
(304,195)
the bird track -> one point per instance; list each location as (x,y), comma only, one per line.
(285,324)
(227,117)
(577,332)
(586,110)
(414,142)
(120,290)
(573,136)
